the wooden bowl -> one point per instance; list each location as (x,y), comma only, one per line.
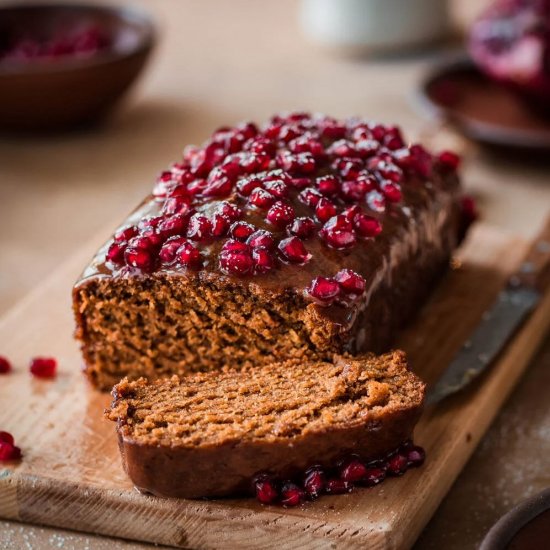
(70,91)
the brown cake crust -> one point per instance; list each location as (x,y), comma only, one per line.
(208,434)
(176,320)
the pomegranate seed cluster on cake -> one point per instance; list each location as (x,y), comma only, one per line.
(295,240)
(286,431)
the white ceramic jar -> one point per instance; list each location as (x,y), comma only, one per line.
(381,25)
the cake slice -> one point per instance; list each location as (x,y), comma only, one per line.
(211,434)
(297,240)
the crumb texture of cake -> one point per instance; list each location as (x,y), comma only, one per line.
(297,240)
(209,434)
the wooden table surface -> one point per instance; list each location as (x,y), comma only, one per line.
(219,62)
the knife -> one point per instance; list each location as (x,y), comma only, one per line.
(515,302)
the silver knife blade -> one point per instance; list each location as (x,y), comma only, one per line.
(498,323)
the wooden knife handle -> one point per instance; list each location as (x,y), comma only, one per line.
(534,271)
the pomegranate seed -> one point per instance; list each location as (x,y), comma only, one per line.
(261,144)
(189,255)
(328,185)
(300,183)
(199,228)
(219,187)
(310,197)
(293,250)
(148,239)
(352,211)
(43,367)
(375,201)
(173,225)
(168,251)
(314,482)
(366,226)
(261,239)
(6,437)
(392,191)
(266,493)
(236,262)
(366,147)
(247,185)
(342,148)
(301,163)
(139,258)
(373,476)
(338,487)
(177,205)
(9,452)
(325,210)
(241,230)
(261,198)
(235,246)
(220,225)
(421,161)
(231,211)
(287,133)
(126,233)
(302,227)
(307,144)
(334,131)
(449,160)
(149,223)
(324,290)
(469,209)
(338,232)
(349,168)
(291,494)
(263,260)
(353,471)
(397,465)
(393,139)
(115,253)
(350,281)
(5,366)
(280,214)
(277,188)
(415,456)
(355,190)
(196,187)
(387,170)
(378,132)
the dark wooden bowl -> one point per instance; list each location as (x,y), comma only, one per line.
(71,91)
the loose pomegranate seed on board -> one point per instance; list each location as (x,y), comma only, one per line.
(43,367)
(5,365)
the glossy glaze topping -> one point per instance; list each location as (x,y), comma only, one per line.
(319,204)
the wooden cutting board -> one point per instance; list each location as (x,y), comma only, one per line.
(71,477)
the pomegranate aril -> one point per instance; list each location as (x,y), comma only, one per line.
(150,239)
(199,228)
(241,230)
(5,366)
(126,233)
(324,290)
(338,232)
(266,491)
(150,222)
(303,227)
(328,185)
(293,250)
(353,471)
(367,147)
(291,494)
(338,487)
(115,252)
(177,205)
(314,482)
(397,465)
(325,210)
(373,476)
(6,437)
(236,262)
(235,246)
(280,214)
(230,210)
(260,198)
(469,209)
(43,367)
(366,226)
(220,225)
(449,160)
(355,190)
(421,161)
(188,255)
(300,183)
(415,456)
(277,188)
(168,251)
(139,258)
(263,260)
(350,281)
(173,225)
(349,168)
(301,163)
(9,452)
(261,239)
(219,187)
(333,131)
(310,197)
(392,191)
(247,185)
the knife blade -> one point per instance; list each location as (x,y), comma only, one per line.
(500,322)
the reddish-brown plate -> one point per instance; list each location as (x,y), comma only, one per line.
(481,109)
(71,91)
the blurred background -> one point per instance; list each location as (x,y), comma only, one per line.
(217,62)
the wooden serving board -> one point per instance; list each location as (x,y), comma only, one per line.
(70,475)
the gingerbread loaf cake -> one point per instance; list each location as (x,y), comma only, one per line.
(217,433)
(296,240)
